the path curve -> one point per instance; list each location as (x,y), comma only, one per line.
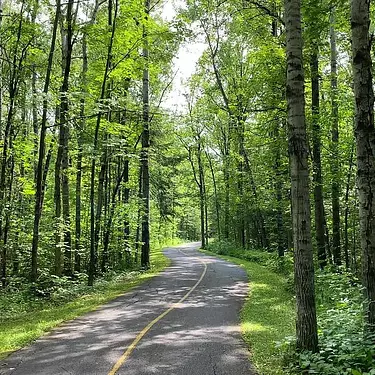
(198,336)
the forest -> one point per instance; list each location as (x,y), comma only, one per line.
(270,158)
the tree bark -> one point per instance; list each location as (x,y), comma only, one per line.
(34,78)
(1,70)
(40,180)
(263,237)
(365,144)
(109,221)
(80,130)
(95,217)
(217,203)
(58,224)
(62,204)
(126,197)
(65,133)
(317,175)
(145,253)
(202,194)
(14,80)
(335,159)
(346,216)
(281,235)
(306,324)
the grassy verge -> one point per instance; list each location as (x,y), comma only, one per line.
(23,327)
(267,316)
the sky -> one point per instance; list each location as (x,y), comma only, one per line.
(183,64)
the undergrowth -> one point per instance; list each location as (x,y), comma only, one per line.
(345,348)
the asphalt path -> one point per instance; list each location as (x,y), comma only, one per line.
(185,320)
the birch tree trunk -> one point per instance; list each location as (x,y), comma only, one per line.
(306,325)
(365,144)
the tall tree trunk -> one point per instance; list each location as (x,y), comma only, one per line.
(95,218)
(62,161)
(7,213)
(346,217)
(306,324)
(227,195)
(365,143)
(100,201)
(107,209)
(259,216)
(41,170)
(139,216)
(145,254)
(281,240)
(109,221)
(1,72)
(202,197)
(3,179)
(34,91)
(281,235)
(77,245)
(14,80)
(80,130)
(198,174)
(240,182)
(126,197)
(335,159)
(206,212)
(217,203)
(64,136)
(317,175)
(227,138)
(58,224)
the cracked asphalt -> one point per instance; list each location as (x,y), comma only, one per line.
(201,336)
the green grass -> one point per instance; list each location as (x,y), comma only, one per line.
(268,315)
(22,328)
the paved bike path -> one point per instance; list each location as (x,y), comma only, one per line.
(199,336)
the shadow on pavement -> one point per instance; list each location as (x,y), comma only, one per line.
(201,336)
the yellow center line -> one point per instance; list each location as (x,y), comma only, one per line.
(140,335)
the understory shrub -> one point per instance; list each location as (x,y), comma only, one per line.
(20,297)
(345,347)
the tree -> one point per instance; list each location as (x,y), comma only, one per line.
(336,242)
(145,174)
(95,215)
(365,146)
(43,164)
(306,325)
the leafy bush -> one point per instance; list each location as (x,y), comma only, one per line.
(341,353)
(345,349)
(20,297)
